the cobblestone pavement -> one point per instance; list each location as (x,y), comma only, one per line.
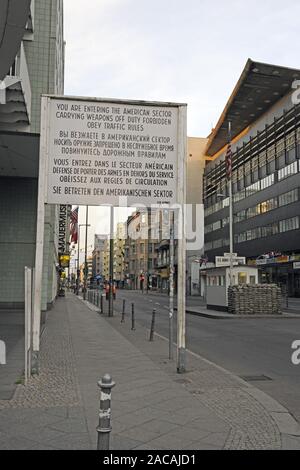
(56,384)
(251,425)
(153,407)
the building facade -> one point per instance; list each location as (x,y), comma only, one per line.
(265,175)
(99,246)
(37,68)
(119,254)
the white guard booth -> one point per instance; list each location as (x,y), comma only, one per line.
(218,281)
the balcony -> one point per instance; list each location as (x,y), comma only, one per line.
(15,98)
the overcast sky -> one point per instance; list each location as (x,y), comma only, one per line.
(190,51)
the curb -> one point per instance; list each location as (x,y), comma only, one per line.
(224,316)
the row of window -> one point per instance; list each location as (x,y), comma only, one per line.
(283,150)
(273,229)
(264,183)
(215,244)
(258,232)
(267,206)
(249,191)
(261,208)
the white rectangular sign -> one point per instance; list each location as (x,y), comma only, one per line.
(223,261)
(296,265)
(100,151)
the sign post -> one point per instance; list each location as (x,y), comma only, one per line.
(105,152)
(28,323)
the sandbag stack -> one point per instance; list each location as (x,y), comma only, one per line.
(259,299)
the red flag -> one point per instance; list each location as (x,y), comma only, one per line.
(228,162)
(74,225)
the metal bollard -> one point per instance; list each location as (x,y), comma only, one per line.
(104,427)
(101,304)
(123,312)
(132,318)
(152,326)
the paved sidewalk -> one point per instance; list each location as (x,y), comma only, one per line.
(152,406)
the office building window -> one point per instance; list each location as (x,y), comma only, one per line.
(266,182)
(240,216)
(216,225)
(288,170)
(289,224)
(267,206)
(241,237)
(288,198)
(254,188)
(239,196)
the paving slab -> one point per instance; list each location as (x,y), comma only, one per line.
(152,406)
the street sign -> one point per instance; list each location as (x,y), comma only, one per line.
(99,151)
(296,265)
(112,152)
(223,261)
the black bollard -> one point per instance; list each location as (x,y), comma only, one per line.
(132,318)
(123,312)
(152,326)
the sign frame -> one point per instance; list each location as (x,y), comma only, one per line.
(181,200)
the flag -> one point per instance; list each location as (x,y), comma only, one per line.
(74,225)
(228,161)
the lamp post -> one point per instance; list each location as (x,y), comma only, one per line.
(229,177)
(111,264)
(85,252)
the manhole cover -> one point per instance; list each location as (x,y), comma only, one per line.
(255,378)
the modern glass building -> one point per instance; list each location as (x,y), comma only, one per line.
(33,31)
(265,117)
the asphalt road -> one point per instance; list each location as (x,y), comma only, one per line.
(251,348)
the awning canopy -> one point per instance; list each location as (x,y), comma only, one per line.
(259,87)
